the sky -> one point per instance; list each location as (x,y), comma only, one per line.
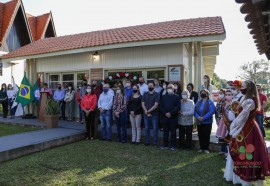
(78,16)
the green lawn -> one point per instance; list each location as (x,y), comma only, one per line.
(8,129)
(267,133)
(110,163)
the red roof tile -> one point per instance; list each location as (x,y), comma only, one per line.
(8,13)
(156,31)
(38,25)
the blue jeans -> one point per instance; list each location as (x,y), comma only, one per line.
(105,119)
(154,121)
(80,112)
(121,124)
(259,119)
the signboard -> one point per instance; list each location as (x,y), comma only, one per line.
(174,73)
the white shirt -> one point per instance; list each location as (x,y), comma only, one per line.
(143,88)
(237,96)
(105,101)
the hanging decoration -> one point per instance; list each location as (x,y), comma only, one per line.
(113,77)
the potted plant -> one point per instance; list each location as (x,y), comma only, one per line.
(52,113)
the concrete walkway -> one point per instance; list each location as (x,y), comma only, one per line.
(67,132)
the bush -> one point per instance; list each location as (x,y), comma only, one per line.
(52,107)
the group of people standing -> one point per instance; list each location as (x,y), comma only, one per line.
(239,115)
(7,98)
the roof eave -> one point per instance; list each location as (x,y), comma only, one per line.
(220,37)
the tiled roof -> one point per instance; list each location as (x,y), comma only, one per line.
(38,25)
(8,9)
(164,30)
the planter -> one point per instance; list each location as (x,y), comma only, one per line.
(51,121)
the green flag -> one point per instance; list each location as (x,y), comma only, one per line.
(25,95)
(36,92)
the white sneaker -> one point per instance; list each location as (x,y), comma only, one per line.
(200,150)
(206,151)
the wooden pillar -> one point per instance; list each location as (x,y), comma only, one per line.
(190,63)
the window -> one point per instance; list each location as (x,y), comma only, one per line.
(80,77)
(68,79)
(53,81)
(152,74)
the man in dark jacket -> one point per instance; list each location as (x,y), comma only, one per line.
(169,108)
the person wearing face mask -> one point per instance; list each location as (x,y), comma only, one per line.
(247,140)
(119,111)
(236,86)
(4,99)
(11,97)
(105,106)
(192,94)
(158,88)
(128,90)
(88,105)
(260,113)
(169,108)
(70,101)
(150,102)
(178,89)
(185,121)
(224,122)
(143,86)
(135,114)
(97,92)
(204,111)
(221,100)
(78,100)
(207,85)
(164,88)
(59,96)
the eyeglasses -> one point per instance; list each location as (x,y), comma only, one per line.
(233,89)
(228,95)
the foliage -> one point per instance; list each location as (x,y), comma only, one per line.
(8,129)
(108,163)
(218,82)
(52,107)
(256,71)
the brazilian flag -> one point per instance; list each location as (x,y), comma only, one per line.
(25,95)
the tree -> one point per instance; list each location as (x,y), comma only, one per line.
(218,82)
(256,71)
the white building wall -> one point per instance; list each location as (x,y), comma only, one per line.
(6,73)
(135,57)
(18,71)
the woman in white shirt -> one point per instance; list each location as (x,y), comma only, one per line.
(207,85)
(11,97)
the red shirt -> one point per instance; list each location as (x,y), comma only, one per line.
(263,98)
(89,101)
(78,96)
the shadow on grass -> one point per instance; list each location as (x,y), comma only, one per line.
(110,163)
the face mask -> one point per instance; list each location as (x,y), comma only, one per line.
(228,98)
(203,95)
(69,88)
(118,91)
(184,96)
(59,87)
(128,84)
(105,90)
(94,86)
(88,90)
(80,88)
(205,80)
(141,82)
(170,90)
(243,91)
(135,91)
(221,96)
(164,86)
(175,87)
(85,84)
(234,92)
(150,89)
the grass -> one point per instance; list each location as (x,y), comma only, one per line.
(104,163)
(267,133)
(8,129)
